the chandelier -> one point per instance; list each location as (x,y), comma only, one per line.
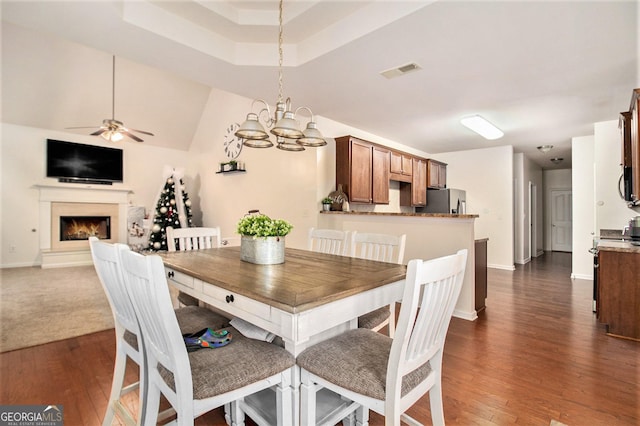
(283,123)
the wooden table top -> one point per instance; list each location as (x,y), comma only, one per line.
(305,280)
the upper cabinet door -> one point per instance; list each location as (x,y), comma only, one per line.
(437,174)
(380,175)
(361,172)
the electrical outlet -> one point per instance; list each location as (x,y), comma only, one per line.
(12,249)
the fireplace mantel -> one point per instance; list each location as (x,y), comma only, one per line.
(77,193)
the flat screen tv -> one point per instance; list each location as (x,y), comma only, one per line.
(80,163)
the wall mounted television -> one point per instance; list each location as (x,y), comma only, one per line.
(81,163)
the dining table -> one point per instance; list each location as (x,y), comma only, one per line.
(309,298)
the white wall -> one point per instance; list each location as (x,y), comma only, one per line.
(487,176)
(22,152)
(582,177)
(557,179)
(611,210)
(526,172)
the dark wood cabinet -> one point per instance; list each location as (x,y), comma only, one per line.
(380,175)
(481,273)
(618,298)
(416,193)
(635,146)
(401,167)
(362,169)
(437,174)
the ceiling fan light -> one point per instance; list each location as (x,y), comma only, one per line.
(287,127)
(251,129)
(112,136)
(482,127)
(311,136)
(545,148)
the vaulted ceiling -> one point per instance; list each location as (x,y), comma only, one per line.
(543,72)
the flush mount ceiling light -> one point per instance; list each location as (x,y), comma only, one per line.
(482,127)
(285,127)
(545,148)
(557,160)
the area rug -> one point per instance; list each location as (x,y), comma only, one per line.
(39,306)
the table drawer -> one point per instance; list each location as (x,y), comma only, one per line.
(231,301)
(179,278)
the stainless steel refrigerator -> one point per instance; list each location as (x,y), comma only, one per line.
(445,201)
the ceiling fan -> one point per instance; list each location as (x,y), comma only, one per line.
(112,129)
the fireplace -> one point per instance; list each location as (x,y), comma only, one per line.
(74,228)
(70,214)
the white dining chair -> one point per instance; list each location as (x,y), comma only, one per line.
(387,375)
(196,382)
(129,339)
(383,248)
(194,238)
(330,241)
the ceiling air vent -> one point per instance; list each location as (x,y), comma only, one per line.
(401,70)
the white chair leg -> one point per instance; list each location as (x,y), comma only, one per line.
(362,416)
(392,320)
(116,384)
(237,414)
(284,400)
(435,402)
(153,406)
(308,391)
(227,414)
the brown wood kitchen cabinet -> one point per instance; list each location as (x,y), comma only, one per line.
(401,167)
(437,174)
(362,169)
(618,298)
(635,146)
(416,193)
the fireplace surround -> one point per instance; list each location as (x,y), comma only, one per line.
(81,201)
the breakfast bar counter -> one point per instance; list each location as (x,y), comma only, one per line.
(429,235)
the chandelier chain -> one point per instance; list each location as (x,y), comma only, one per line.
(280,40)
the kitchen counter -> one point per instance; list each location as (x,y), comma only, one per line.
(618,246)
(439,215)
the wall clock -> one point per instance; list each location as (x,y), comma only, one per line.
(232,143)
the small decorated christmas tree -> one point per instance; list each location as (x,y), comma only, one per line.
(173,209)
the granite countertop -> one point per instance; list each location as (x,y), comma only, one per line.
(440,215)
(618,245)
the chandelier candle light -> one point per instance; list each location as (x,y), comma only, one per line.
(285,127)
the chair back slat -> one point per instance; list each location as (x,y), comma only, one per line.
(105,261)
(380,247)
(149,292)
(431,292)
(330,241)
(192,238)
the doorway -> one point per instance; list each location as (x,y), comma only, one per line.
(561,220)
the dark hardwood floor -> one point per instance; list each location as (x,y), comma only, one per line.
(536,354)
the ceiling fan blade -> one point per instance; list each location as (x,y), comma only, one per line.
(141,131)
(85,127)
(131,135)
(98,132)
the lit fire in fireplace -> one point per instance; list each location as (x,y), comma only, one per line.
(81,228)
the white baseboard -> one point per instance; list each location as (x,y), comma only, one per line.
(466,315)
(19,265)
(539,253)
(503,267)
(582,277)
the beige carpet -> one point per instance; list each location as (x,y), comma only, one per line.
(45,305)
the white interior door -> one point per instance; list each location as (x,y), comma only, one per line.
(561,220)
